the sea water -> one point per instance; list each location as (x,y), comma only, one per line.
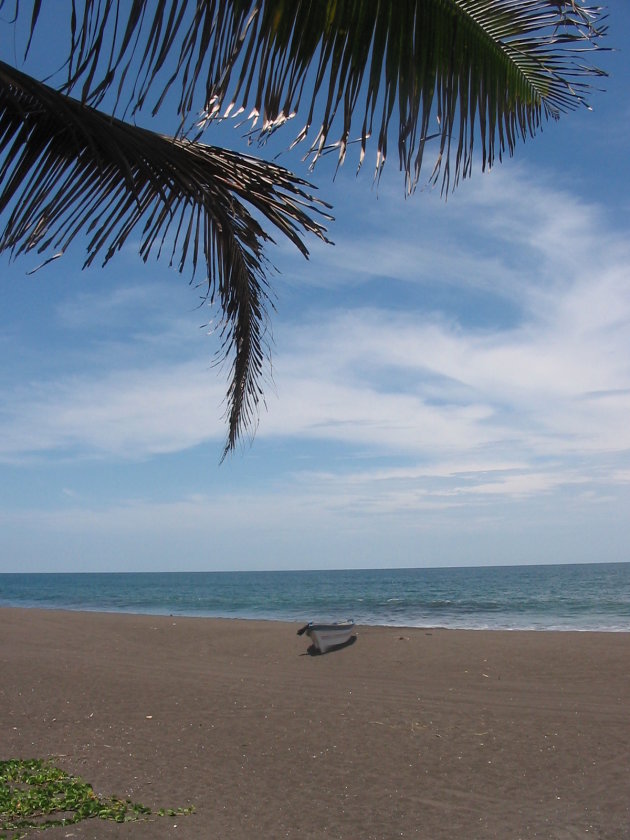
(564,597)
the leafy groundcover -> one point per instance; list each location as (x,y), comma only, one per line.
(34,794)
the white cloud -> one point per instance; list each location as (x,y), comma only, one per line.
(553,387)
(129,414)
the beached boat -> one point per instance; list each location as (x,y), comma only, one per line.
(328,636)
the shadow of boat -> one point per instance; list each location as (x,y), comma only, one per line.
(313,650)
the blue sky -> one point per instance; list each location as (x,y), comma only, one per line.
(450,381)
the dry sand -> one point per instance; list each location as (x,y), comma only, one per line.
(407,733)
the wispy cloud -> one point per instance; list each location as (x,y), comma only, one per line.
(122,414)
(543,391)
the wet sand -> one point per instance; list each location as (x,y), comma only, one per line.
(431,734)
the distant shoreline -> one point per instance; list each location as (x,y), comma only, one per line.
(289,622)
(580,597)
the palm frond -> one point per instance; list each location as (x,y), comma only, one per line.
(68,169)
(446,69)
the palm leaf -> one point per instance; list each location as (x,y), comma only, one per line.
(66,168)
(450,69)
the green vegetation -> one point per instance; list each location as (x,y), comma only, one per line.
(35,794)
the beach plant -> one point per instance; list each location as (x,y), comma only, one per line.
(439,77)
(34,794)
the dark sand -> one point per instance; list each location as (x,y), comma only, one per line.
(407,733)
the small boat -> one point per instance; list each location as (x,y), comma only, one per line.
(328,636)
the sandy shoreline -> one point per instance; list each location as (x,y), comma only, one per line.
(433,734)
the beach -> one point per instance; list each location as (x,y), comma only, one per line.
(413,733)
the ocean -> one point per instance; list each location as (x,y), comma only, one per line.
(563,597)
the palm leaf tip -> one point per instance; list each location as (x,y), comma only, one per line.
(459,72)
(68,169)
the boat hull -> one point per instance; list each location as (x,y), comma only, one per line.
(328,636)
